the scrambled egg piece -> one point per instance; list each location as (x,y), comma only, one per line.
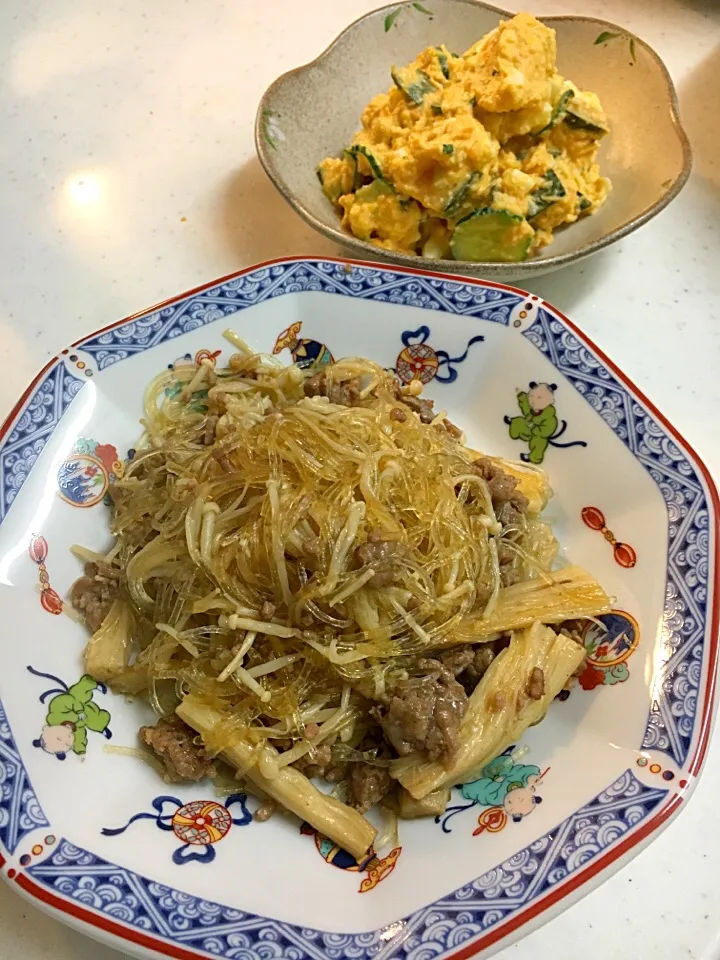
(478,157)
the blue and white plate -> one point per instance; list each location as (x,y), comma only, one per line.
(101,842)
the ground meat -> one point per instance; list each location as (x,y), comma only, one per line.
(457,660)
(483,657)
(319,764)
(209,433)
(316,386)
(93,597)
(422,407)
(367,785)
(502,486)
(454,431)
(505,552)
(174,743)
(509,514)
(398,415)
(345,393)
(381,556)
(267,610)
(224,461)
(425,713)
(469,663)
(507,557)
(508,575)
(536,684)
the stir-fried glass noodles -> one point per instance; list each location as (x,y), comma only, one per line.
(314,574)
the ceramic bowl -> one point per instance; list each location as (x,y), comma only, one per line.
(101,841)
(314,111)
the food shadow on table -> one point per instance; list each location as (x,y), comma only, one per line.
(255,223)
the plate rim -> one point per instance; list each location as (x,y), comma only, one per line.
(98,925)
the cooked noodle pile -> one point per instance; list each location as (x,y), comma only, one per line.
(317,574)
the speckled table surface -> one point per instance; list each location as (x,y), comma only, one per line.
(151,105)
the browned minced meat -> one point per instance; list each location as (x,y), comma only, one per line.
(93,597)
(316,386)
(173,742)
(536,684)
(319,763)
(398,415)
(452,429)
(422,407)
(224,461)
(502,485)
(345,393)
(509,513)
(457,660)
(469,663)
(209,432)
(367,785)
(425,713)
(381,555)
(506,557)
(267,610)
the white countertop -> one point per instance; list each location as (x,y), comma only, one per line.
(152,104)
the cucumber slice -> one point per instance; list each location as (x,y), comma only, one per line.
(358,148)
(583,202)
(493,236)
(443,61)
(558,111)
(550,190)
(415,84)
(357,177)
(583,114)
(460,197)
(579,122)
(373,191)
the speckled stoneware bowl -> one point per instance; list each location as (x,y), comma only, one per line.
(314,111)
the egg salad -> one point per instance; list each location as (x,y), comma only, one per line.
(478,156)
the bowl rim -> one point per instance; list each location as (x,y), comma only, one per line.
(529,267)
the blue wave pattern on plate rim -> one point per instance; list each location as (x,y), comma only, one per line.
(368,283)
(20,811)
(430,932)
(23,444)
